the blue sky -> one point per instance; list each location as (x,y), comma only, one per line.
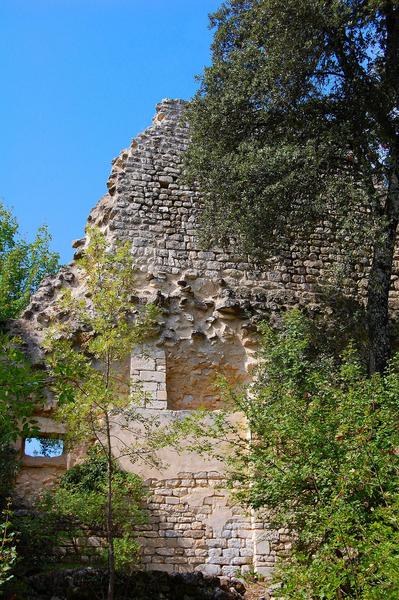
(80,78)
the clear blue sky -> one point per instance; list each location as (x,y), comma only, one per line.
(80,79)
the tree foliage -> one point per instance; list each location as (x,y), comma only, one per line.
(21,389)
(21,392)
(23,265)
(8,553)
(297,122)
(323,462)
(69,521)
(95,399)
(81,498)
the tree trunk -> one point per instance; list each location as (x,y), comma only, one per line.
(380,282)
(110,524)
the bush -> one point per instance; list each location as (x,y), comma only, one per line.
(324,461)
(67,527)
(8,471)
(8,554)
(78,505)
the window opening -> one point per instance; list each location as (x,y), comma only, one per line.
(44,447)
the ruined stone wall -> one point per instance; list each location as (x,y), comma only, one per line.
(192,526)
(210,303)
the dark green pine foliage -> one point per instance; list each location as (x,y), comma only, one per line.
(296,121)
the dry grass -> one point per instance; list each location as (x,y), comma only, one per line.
(257,589)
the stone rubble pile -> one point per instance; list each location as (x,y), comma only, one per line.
(90,584)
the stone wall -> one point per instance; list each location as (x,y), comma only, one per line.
(148,367)
(193,526)
(36,472)
(210,301)
(87,584)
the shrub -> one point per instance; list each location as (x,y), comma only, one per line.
(8,554)
(324,461)
(78,505)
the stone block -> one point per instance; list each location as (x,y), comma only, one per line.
(241,560)
(215,475)
(164,491)
(176,560)
(227,533)
(230,553)
(235,543)
(244,533)
(262,547)
(152,376)
(156,405)
(180,492)
(149,386)
(182,526)
(217,560)
(193,534)
(208,569)
(183,543)
(264,571)
(188,482)
(229,571)
(215,552)
(165,551)
(138,363)
(170,533)
(172,500)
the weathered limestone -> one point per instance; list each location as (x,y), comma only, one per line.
(210,303)
(195,527)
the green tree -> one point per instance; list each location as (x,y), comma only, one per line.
(8,554)
(322,462)
(23,265)
(21,388)
(94,398)
(297,122)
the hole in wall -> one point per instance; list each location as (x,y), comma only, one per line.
(44,447)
